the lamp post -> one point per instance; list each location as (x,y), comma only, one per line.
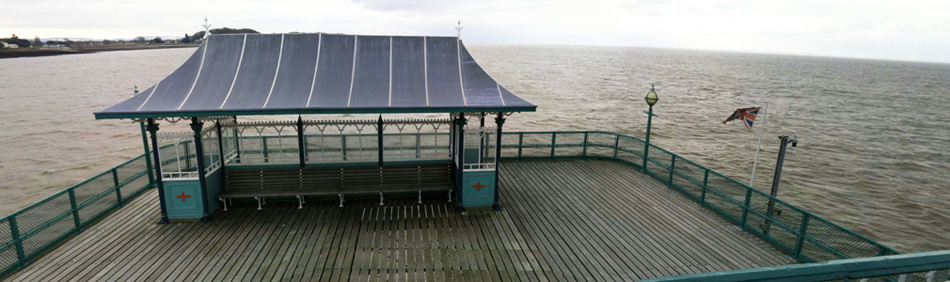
(651,99)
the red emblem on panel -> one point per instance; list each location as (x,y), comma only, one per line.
(478,186)
(183,196)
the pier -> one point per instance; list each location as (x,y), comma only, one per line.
(565,220)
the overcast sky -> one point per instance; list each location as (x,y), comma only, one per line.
(898,30)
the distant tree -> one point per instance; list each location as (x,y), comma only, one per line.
(186,39)
(157,40)
(106,42)
(139,39)
(16,40)
(37,43)
(224,30)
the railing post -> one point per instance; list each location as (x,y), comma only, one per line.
(418,145)
(520,143)
(553,142)
(702,198)
(115,182)
(801,236)
(585,143)
(745,207)
(672,167)
(343,145)
(75,209)
(18,242)
(616,145)
(264,149)
(881,251)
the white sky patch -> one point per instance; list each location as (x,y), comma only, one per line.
(905,30)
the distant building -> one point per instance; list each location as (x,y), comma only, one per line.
(9,45)
(3,44)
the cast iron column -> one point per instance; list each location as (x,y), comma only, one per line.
(461,158)
(646,143)
(153,131)
(379,138)
(148,156)
(200,157)
(300,144)
(499,121)
(237,143)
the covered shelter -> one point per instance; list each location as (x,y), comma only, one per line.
(230,76)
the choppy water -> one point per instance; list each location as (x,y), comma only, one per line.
(873,156)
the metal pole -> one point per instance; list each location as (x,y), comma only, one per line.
(758,144)
(148,157)
(200,159)
(499,121)
(379,138)
(461,161)
(778,165)
(778,176)
(300,144)
(237,143)
(646,143)
(153,131)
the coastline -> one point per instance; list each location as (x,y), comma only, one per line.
(55,51)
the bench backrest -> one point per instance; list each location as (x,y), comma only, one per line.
(339,177)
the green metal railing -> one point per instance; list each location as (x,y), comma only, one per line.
(798,233)
(804,236)
(31,231)
(929,266)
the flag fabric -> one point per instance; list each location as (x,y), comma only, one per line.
(747,115)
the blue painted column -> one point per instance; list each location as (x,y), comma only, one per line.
(460,154)
(200,156)
(148,157)
(301,149)
(237,142)
(379,138)
(499,121)
(153,131)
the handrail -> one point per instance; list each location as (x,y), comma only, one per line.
(32,223)
(936,263)
(802,235)
(811,244)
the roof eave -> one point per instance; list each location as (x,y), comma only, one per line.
(260,112)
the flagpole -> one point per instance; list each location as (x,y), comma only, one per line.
(758,144)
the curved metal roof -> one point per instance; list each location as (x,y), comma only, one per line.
(315,73)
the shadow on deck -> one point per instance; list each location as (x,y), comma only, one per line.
(563,220)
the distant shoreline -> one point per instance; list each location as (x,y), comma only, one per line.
(39,52)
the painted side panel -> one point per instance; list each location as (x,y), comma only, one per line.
(478,189)
(183,199)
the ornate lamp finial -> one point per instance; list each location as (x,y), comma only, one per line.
(207,28)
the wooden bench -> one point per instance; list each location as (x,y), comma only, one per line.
(336,180)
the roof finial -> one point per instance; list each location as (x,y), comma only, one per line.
(207,28)
(459,29)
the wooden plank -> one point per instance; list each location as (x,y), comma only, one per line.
(564,220)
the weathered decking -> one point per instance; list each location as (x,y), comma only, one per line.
(563,220)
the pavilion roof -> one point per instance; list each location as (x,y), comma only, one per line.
(319,73)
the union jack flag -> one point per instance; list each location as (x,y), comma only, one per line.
(747,115)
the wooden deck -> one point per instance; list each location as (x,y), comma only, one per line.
(564,220)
